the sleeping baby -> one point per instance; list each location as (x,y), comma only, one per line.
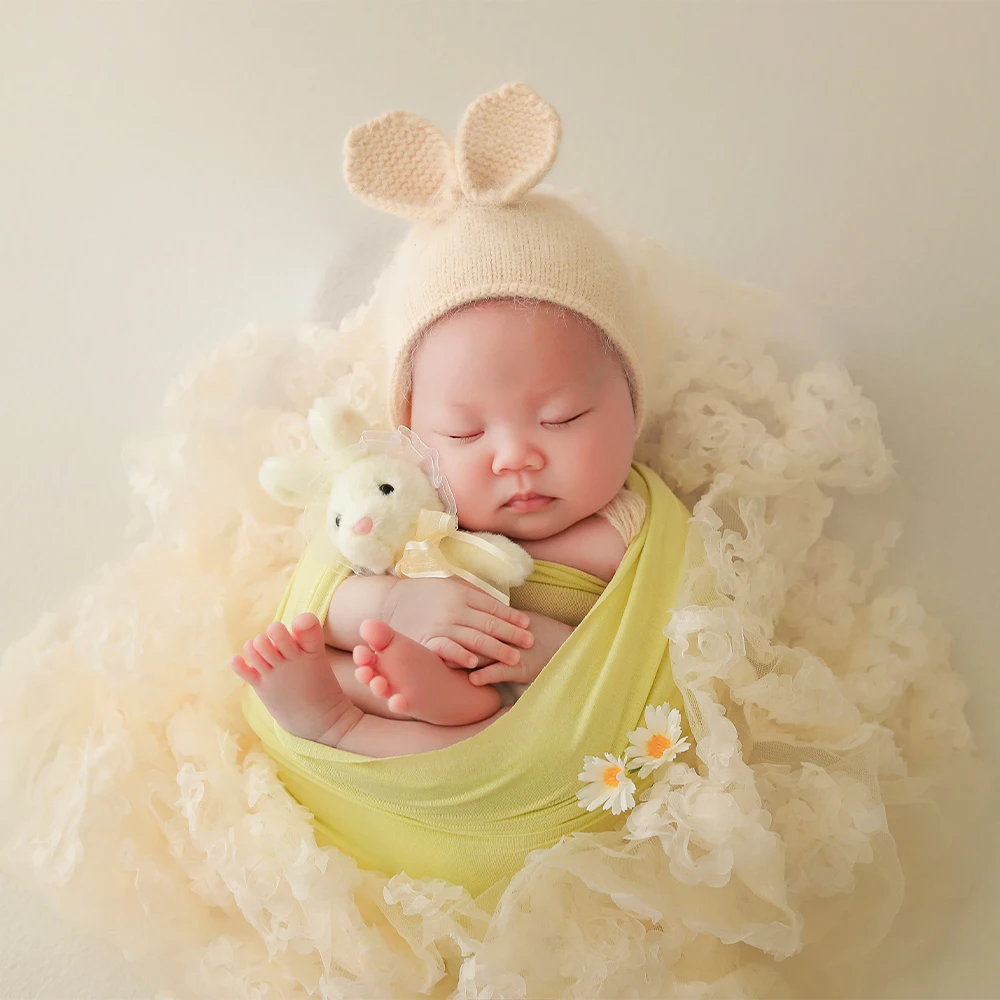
(507,325)
(532,412)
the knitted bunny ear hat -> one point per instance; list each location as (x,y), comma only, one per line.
(479,233)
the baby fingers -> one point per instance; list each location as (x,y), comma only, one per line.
(495,609)
(483,644)
(497,673)
(451,652)
(491,625)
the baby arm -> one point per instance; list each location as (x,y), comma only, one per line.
(592,545)
(453,619)
(357,599)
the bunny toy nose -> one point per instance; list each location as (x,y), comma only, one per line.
(363,527)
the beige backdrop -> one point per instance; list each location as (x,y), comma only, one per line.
(171,171)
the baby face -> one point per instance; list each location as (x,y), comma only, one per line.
(530,412)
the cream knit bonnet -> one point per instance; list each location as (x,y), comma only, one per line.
(479,233)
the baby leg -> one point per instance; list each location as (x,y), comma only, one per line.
(418,682)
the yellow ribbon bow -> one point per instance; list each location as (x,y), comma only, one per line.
(439,549)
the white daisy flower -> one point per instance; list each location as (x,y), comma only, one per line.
(658,742)
(607,785)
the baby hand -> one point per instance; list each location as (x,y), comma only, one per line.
(457,621)
(549,636)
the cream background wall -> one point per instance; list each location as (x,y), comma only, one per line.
(171,171)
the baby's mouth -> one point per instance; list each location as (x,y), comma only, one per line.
(526,503)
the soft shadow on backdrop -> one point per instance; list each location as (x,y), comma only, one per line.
(172,172)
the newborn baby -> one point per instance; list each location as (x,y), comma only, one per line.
(531,412)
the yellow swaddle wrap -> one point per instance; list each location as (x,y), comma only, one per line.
(471,812)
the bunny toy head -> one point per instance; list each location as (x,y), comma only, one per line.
(366,495)
(374,507)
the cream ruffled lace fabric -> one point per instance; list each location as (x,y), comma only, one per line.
(808,849)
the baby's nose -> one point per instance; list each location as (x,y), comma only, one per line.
(363,527)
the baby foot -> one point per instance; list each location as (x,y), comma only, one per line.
(291,674)
(416,681)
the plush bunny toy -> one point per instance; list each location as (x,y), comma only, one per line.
(385,506)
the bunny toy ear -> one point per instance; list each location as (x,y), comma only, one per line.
(506,144)
(402,164)
(334,425)
(292,480)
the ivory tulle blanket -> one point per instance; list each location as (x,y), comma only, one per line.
(471,813)
(814,830)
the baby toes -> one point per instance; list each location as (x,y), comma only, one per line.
(366,662)
(255,660)
(244,671)
(282,640)
(308,633)
(364,656)
(363,675)
(263,645)
(376,633)
(399,704)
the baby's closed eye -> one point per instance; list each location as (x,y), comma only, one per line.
(560,422)
(565,422)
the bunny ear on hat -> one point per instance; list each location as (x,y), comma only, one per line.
(402,164)
(479,233)
(506,144)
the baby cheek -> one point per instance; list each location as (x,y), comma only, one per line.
(460,471)
(606,459)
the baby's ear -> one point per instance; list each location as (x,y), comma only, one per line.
(335,426)
(292,480)
(506,144)
(402,164)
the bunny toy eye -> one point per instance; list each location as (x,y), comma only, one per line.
(386,489)
(336,520)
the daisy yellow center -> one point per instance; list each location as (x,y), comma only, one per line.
(611,775)
(657,745)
